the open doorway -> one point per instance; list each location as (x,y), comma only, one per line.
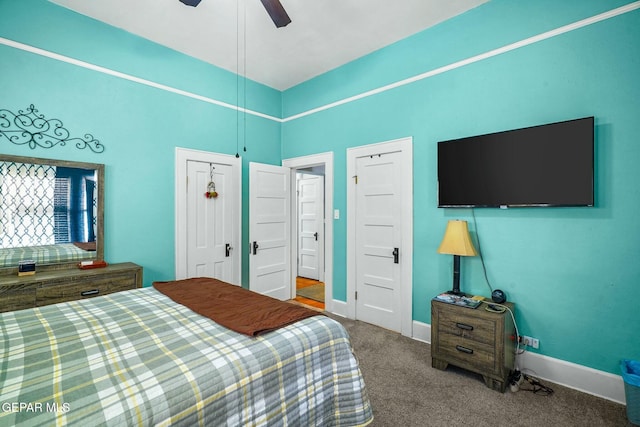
(311,213)
(310,235)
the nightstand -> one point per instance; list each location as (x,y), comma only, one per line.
(474,339)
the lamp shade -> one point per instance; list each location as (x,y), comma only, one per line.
(456,240)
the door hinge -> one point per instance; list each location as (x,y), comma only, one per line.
(356,295)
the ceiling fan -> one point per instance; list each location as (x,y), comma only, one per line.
(274,9)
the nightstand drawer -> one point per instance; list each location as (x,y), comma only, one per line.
(473,328)
(464,352)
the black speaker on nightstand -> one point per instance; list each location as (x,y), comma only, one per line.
(498,296)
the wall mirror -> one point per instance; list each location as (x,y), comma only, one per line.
(51,211)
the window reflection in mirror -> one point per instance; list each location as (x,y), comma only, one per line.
(50,211)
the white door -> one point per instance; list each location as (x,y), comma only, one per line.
(209,238)
(310,190)
(378,239)
(223,215)
(269,230)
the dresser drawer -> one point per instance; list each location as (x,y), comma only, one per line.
(472,328)
(123,283)
(64,291)
(14,298)
(61,285)
(70,291)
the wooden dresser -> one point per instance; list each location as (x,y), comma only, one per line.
(473,339)
(50,287)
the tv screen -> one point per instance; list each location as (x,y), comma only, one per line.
(546,165)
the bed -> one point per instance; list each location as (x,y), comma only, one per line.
(140,358)
(48,254)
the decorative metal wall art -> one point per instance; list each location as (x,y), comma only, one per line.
(28,127)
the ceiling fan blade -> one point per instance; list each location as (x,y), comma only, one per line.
(276,12)
(193,3)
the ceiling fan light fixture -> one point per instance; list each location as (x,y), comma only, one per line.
(193,3)
(276,12)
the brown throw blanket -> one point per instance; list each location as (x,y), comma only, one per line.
(233,307)
(86,246)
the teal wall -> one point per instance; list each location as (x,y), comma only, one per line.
(139,125)
(572,272)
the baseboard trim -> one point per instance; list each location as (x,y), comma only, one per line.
(421,332)
(339,308)
(578,377)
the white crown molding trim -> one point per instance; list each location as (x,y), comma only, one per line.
(124,76)
(578,377)
(531,40)
(543,36)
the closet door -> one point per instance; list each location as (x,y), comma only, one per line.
(208,230)
(209,236)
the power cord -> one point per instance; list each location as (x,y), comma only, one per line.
(536,387)
(513,318)
(517,379)
(486,278)
(484,267)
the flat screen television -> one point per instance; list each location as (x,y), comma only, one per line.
(546,165)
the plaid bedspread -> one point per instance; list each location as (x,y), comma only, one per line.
(45,254)
(138,358)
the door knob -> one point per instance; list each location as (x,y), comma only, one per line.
(255,247)
(227,249)
(396,255)
(315,235)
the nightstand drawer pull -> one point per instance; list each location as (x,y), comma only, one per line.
(464,326)
(464,349)
(90,293)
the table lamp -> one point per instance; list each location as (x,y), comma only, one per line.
(457,242)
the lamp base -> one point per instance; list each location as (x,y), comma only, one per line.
(456,277)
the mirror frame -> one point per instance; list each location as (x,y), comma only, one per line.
(99,168)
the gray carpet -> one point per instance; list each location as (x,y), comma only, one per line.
(406,391)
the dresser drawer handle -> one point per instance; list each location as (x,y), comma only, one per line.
(464,326)
(89,293)
(464,349)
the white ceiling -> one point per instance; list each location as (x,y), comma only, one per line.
(323,34)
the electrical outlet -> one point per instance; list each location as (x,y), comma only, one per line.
(531,342)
